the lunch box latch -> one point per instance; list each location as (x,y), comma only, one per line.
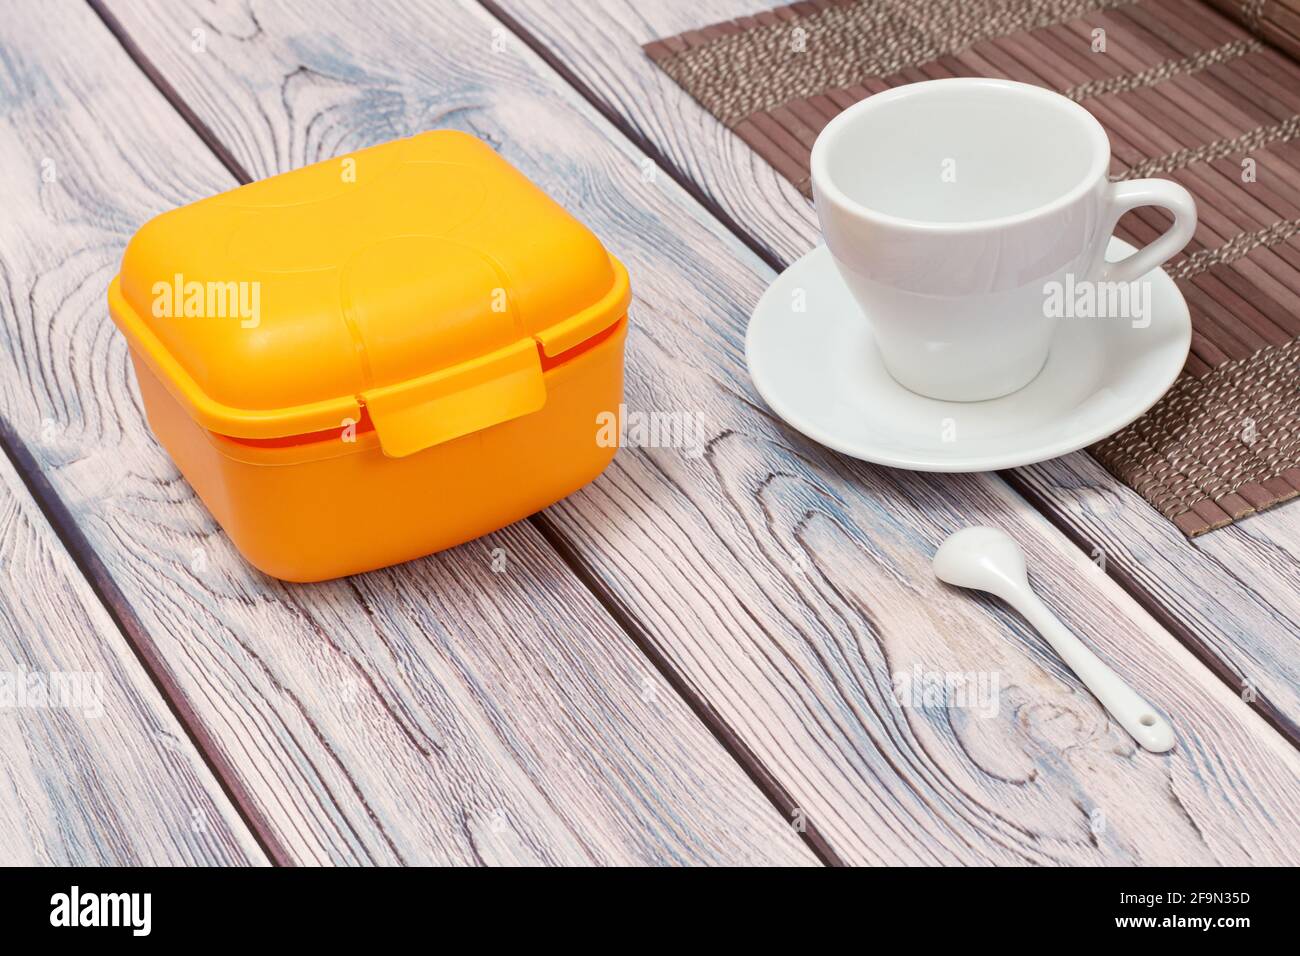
(422,412)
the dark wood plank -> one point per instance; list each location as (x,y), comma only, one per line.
(436,712)
(785,585)
(1207,593)
(96,770)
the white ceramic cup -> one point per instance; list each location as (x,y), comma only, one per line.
(950,205)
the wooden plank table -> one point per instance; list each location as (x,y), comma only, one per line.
(434,712)
(689,661)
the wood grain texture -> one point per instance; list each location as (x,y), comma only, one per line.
(1208,591)
(94,769)
(443,711)
(783,583)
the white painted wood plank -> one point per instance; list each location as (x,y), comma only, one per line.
(785,584)
(437,712)
(94,769)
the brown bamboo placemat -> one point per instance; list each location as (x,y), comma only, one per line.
(1277,21)
(1185,92)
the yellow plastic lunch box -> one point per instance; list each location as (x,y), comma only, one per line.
(378,356)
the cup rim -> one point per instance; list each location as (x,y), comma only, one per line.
(824,185)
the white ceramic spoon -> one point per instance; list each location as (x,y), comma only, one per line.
(986,559)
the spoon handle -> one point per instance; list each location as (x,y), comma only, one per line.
(1147,725)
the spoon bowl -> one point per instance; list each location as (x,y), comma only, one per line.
(983,559)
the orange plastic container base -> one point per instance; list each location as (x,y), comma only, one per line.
(327,508)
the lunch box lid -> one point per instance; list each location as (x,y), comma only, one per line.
(421,280)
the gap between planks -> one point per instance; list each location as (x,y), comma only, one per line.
(101,582)
(1271,714)
(754,768)
(641,142)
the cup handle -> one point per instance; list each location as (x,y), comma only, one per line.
(1148,192)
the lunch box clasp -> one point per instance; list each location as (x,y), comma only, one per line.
(422,412)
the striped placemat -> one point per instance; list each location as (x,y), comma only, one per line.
(1277,21)
(1185,92)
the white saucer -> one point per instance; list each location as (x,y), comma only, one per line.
(820,371)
